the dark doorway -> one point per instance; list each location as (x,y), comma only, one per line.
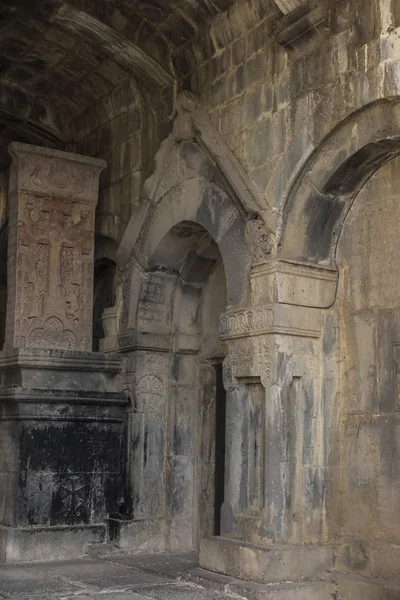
(220,415)
(103,296)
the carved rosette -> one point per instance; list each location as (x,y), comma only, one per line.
(52,199)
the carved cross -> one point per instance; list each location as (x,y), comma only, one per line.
(53,223)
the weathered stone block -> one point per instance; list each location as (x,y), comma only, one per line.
(264,565)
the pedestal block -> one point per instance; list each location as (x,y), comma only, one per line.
(62,452)
(265,565)
(62,422)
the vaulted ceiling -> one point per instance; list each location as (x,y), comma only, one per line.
(57,57)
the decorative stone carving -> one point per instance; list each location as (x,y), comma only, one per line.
(52,200)
(150,391)
(72,494)
(249,359)
(273,318)
(40,488)
(52,335)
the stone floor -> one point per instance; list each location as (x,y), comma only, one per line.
(166,577)
(151,577)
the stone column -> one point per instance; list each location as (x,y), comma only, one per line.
(52,200)
(278,415)
(62,421)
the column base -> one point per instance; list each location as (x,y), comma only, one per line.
(26,544)
(262,564)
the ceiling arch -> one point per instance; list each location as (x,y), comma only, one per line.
(58,58)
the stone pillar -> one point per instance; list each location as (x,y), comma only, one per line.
(277,468)
(52,200)
(62,421)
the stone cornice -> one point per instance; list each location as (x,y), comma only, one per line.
(271,319)
(29,395)
(47,172)
(59,360)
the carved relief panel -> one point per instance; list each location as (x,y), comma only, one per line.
(146,379)
(52,202)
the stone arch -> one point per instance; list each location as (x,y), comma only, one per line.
(324,191)
(196,201)
(377,83)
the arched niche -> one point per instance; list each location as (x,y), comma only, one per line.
(186,257)
(177,466)
(324,191)
(164,248)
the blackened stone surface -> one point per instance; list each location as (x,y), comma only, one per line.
(70,449)
(62,455)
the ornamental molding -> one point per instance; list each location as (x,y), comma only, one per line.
(272,319)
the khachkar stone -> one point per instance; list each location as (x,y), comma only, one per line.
(62,420)
(52,200)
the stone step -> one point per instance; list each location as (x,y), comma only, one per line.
(330,586)
(264,564)
(305,590)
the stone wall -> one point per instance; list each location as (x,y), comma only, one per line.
(125,129)
(296,99)
(368,305)
(273,101)
(239,164)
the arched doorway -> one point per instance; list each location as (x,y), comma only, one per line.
(189,262)
(183,296)
(342,213)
